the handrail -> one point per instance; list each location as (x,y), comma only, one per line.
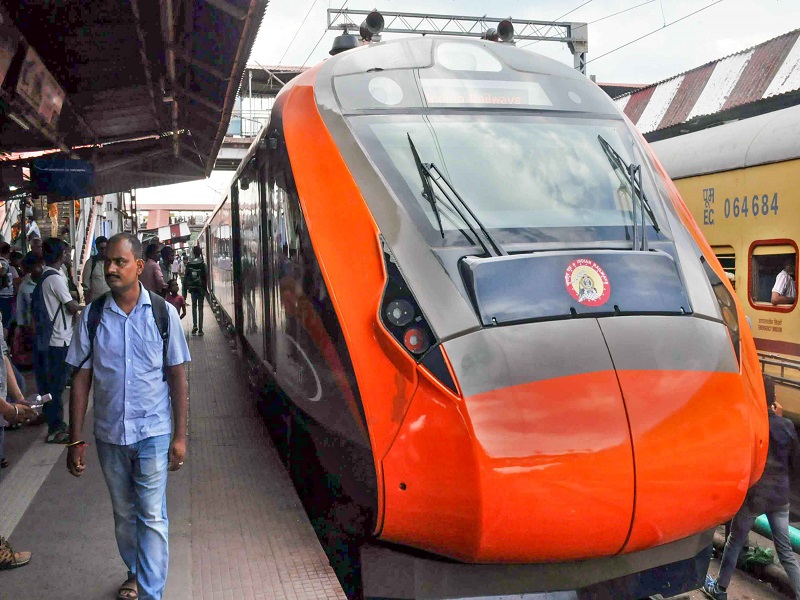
(784,364)
(788,361)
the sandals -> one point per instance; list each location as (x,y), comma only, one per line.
(57,437)
(3,463)
(128,590)
(10,559)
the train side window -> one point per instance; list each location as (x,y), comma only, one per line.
(726,256)
(773,265)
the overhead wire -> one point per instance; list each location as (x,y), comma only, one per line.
(341,8)
(655,31)
(620,12)
(296,33)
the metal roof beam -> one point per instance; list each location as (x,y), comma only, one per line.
(145,61)
(204,66)
(202,100)
(228,8)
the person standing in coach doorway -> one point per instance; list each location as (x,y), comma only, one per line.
(130,345)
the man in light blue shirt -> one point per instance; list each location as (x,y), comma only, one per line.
(140,409)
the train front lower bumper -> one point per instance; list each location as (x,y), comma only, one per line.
(573,440)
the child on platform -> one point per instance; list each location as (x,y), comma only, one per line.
(174,298)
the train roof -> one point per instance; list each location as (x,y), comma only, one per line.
(760,140)
(433,72)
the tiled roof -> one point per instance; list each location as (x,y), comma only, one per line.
(746,77)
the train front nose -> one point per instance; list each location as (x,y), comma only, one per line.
(574,439)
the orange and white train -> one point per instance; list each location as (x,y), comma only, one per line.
(500,341)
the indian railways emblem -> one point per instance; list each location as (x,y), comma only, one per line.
(587,282)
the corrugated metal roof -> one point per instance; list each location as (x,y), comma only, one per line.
(735,81)
(761,70)
(690,90)
(719,86)
(788,76)
(659,103)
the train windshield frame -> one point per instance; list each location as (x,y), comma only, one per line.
(530,177)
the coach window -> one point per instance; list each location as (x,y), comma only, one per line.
(726,256)
(773,263)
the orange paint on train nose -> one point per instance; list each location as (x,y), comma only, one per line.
(692,442)
(544,471)
(536,472)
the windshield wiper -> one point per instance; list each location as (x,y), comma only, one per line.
(427,190)
(430,173)
(633,176)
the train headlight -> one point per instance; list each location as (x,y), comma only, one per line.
(727,306)
(405,321)
(400,312)
(416,340)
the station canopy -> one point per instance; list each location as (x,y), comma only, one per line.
(141,90)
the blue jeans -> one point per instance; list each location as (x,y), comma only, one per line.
(136,476)
(741,525)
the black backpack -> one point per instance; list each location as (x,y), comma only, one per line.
(160,313)
(43,324)
(194,276)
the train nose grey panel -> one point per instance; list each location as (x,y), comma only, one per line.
(500,357)
(648,343)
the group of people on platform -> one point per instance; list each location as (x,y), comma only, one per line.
(127,344)
(163,268)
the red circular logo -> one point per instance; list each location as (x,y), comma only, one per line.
(587,282)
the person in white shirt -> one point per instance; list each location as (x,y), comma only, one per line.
(176,266)
(7,275)
(50,365)
(33,228)
(785,291)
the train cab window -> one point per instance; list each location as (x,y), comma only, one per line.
(773,268)
(726,256)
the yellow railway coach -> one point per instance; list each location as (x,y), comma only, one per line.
(741,182)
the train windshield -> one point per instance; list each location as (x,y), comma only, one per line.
(528,178)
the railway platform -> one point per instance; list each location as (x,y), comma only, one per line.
(237,528)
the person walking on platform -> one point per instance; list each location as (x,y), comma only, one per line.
(23,339)
(52,307)
(7,275)
(167,258)
(195,282)
(14,413)
(151,276)
(769,495)
(174,298)
(182,274)
(130,348)
(93,278)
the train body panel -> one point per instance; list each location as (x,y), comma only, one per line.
(486,388)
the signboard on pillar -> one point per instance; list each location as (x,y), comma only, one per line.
(40,89)
(8,48)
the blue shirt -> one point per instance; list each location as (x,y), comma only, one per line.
(131,398)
